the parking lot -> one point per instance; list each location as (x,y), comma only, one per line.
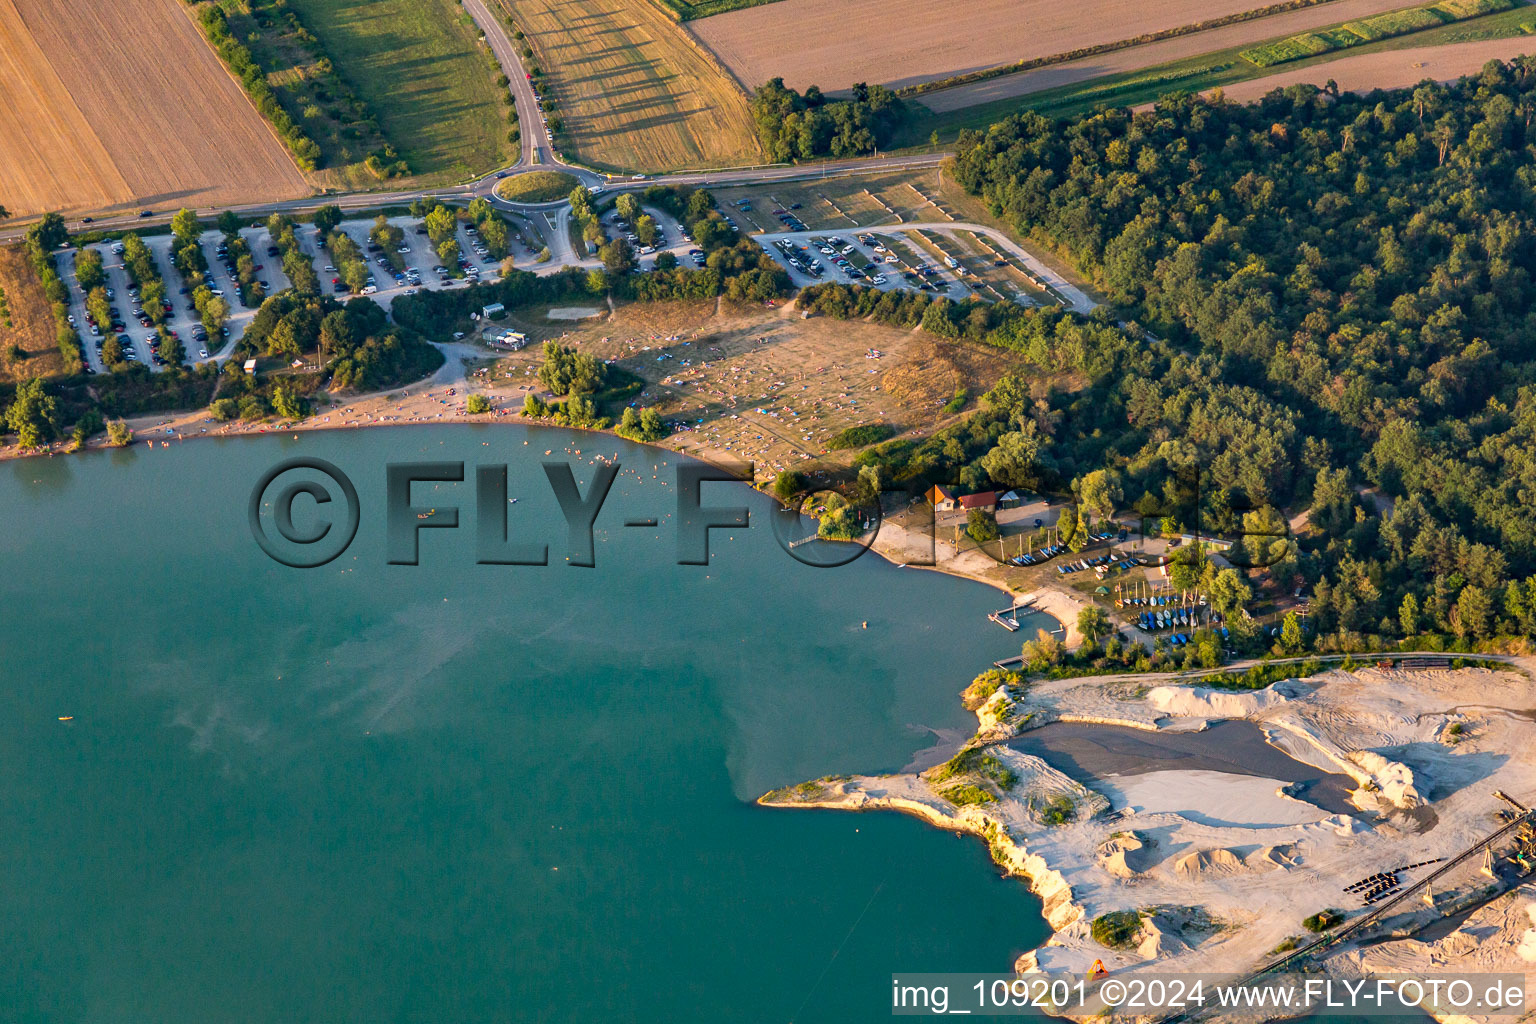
(954,259)
(182,321)
(890,259)
(940,257)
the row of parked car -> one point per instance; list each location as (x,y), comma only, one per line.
(787,217)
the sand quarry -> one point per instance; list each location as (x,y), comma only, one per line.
(1224,865)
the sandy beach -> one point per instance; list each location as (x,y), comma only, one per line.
(441,399)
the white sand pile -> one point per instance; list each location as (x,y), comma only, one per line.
(1527,948)
(1393,780)
(1201,863)
(1210,798)
(1125,855)
(1199,702)
(1267,858)
(1159,937)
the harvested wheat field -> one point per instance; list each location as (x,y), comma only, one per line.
(122,105)
(1149,55)
(1390,69)
(634,90)
(833,45)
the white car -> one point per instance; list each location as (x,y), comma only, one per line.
(878,279)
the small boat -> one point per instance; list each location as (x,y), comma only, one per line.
(66,718)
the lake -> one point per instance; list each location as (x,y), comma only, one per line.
(461,792)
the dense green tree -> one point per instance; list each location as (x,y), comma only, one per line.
(289,404)
(1290,634)
(1100,490)
(33,415)
(186,227)
(566,371)
(617,256)
(326,219)
(48,233)
(1093,623)
(89,271)
(1229,593)
(981,525)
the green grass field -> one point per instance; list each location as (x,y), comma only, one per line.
(1367,30)
(423,73)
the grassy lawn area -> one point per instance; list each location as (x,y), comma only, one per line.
(536,187)
(425,77)
(1192,74)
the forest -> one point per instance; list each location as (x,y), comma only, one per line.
(1318,303)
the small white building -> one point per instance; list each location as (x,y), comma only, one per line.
(494,311)
(250,366)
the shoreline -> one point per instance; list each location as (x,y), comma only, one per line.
(428,402)
(1220,868)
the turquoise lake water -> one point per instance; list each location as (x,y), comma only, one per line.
(462,793)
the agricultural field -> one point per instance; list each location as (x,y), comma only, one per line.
(116,106)
(1152,54)
(422,73)
(811,42)
(633,89)
(1369,30)
(1509,31)
(26,322)
(1391,69)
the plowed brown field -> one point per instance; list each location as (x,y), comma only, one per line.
(120,105)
